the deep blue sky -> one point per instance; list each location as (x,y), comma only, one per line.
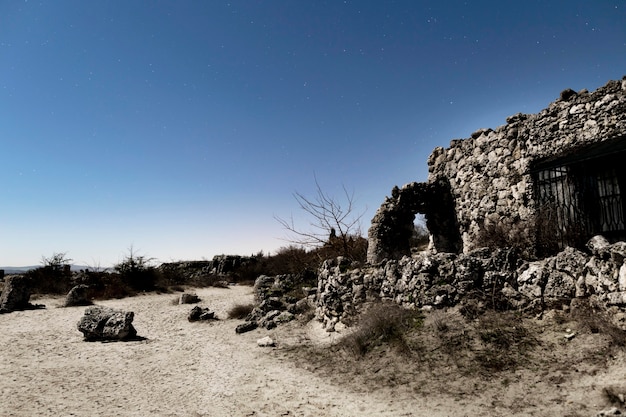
(183,127)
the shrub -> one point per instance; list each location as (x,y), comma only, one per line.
(240,311)
(420,237)
(137,271)
(504,340)
(382,323)
(594,319)
(54,277)
(112,286)
(501,235)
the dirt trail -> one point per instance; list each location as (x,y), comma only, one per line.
(206,369)
(181,369)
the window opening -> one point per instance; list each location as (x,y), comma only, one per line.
(580,196)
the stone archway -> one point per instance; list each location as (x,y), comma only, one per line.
(390,233)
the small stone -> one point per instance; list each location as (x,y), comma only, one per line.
(198,314)
(614,411)
(246,327)
(266,342)
(186,298)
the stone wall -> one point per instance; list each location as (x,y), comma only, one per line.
(487,179)
(482,278)
(189,272)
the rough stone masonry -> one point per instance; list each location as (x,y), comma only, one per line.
(552,178)
(491,180)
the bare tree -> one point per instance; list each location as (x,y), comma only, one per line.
(334,224)
(58,261)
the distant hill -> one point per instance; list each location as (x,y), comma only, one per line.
(8,270)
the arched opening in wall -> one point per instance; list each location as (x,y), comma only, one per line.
(420,238)
(580,195)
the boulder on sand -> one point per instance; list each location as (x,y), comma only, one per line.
(78,296)
(16,293)
(201,314)
(105,323)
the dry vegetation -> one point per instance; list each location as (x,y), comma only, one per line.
(496,360)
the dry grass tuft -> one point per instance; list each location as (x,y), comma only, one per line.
(240,311)
(382,323)
(594,319)
(505,341)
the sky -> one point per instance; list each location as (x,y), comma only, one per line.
(182,129)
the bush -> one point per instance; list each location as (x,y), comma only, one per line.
(594,319)
(240,311)
(420,237)
(505,340)
(137,271)
(382,323)
(54,277)
(112,286)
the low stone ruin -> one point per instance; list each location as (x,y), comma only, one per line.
(16,294)
(107,324)
(279,299)
(487,278)
(198,272)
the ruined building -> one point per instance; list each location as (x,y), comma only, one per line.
(541,182)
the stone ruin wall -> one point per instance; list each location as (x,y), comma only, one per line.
(487,177)
(480,279)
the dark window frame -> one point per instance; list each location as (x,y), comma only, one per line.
(580,195)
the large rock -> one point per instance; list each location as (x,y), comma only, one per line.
(104,323)
(201,314)
(186,298)
(78,296)
(16,294)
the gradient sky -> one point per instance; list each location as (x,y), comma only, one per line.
(183,128)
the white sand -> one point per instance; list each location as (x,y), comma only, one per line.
(181,369)
(197,369)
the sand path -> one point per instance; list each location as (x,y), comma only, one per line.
(181,369)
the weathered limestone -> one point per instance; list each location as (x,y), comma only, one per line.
(494,278)
(277,302)
(198,272)
(104,323)
(201,314)
(187,298)
(392,226)
(16,294)
(78,296)
(487,180)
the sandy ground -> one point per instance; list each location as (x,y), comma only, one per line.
(206,369)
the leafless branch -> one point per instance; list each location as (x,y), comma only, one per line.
(332,222)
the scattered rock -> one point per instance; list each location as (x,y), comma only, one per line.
(246,327)
(570,336)
(105,323)
(614,411)
(266,342)
(16,294)
(599,246)
(186,298)
(199,314)
(78,296)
